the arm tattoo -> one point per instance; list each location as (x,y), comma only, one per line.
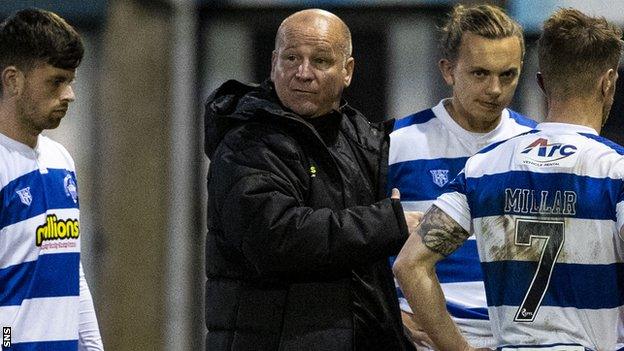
(440,232)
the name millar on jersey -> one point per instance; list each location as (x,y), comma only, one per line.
(541,153)
(528,201)
(54,229)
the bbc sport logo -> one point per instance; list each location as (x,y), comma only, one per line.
(6,336)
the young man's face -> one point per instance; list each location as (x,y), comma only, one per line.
(484,78)
(45,97)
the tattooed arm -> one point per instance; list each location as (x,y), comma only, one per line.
(437,236)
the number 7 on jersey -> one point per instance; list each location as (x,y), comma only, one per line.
(554,234)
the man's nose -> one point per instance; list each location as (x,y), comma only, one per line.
(304,71)
(68,94)
(494,86)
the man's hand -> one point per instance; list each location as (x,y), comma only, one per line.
(418,337)
(396,194)
(412,218)
(414,332)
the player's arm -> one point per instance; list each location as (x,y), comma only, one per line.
(88,329)
(438,236)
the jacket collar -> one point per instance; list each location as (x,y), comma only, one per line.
(234,103)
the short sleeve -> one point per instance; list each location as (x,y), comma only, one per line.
(455,202)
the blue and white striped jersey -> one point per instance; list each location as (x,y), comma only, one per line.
(427,149)
(39,246)
(546,208)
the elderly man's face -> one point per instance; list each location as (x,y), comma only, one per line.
(309,68)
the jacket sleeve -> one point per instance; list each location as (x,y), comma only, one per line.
(262,217)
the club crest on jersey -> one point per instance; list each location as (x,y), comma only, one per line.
(440,176)
(70,187)
(541,153)
(25,195)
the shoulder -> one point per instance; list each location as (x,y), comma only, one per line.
(521,119)
(418,127)
(504,143)
(261,139)
(605,142)
(55,153)
(361,131)
(415,118)
(605,158)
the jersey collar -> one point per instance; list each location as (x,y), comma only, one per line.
(566,128)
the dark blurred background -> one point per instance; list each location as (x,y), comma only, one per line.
(136,128)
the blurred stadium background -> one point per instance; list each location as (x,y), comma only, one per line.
(136,129)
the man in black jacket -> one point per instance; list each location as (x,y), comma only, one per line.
(299,229)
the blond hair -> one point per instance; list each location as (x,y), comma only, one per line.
(487,21)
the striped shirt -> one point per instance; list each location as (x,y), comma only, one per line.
(546,208)
(39,246)
(427,149)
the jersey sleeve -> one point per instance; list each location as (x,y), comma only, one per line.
(619,208)
(88,329)
(455,203)
(619,212)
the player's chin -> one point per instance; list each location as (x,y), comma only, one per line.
(490,112)
(53,122)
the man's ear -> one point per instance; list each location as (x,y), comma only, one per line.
(349,66)
(12,81)
(607,82)
(447,70)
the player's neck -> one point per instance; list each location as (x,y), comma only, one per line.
(10,126)
(576,111)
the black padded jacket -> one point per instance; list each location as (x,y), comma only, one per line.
(299,228)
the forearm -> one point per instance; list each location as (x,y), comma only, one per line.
(422,290)
(88,329)
(437,236)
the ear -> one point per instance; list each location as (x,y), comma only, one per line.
(273,63)
(607,82)
(12,81)
(447,70)
(349,66)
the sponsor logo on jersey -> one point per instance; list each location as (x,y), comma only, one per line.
(70,187)
(541,153)
(440,176)
(25,195)
(55,228)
